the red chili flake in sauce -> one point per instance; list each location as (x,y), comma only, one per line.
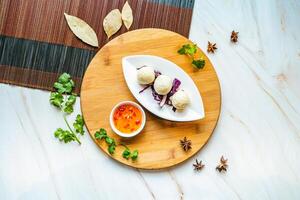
(127,118)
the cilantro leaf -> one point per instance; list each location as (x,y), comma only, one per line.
(109,141)
(78,124)
(71,100)
(199,64)
(59,133)
(64,78)
(181,51)
(126,153)
(191,49)
(65,135)
(69,86)
(68,109)
(65,84)
(111,149)
(103,131)
(134,155)
(188,49)
(56,99)
(59,87)
(69,104)
(100,134)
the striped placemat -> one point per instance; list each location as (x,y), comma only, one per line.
(36,44)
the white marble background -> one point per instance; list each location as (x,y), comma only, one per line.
(258,131)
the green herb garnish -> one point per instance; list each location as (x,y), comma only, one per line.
(64,86)
(190,50)
(102,134)
(111,149)
(78,124)
(66,136)
(134,155)
(68,106)
(128,154)
(109,141)
(56,99)
(199,64)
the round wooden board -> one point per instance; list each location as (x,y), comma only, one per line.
(104,86)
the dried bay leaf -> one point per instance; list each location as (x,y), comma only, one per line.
(112,22)
(82,30)
(127,15)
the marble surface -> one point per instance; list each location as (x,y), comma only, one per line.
(258,130)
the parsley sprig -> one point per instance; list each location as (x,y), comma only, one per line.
(64,86)
(190,50)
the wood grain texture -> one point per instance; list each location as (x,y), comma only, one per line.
(35,37)
(104,86)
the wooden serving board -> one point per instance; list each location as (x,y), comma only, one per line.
(104,86)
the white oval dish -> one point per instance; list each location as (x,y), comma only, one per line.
(194,111)
(127,135)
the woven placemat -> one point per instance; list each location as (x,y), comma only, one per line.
(36,44)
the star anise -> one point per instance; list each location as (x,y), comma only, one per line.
(198,165)
(234,36)
(223,165)
(186,144)
(211,47)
